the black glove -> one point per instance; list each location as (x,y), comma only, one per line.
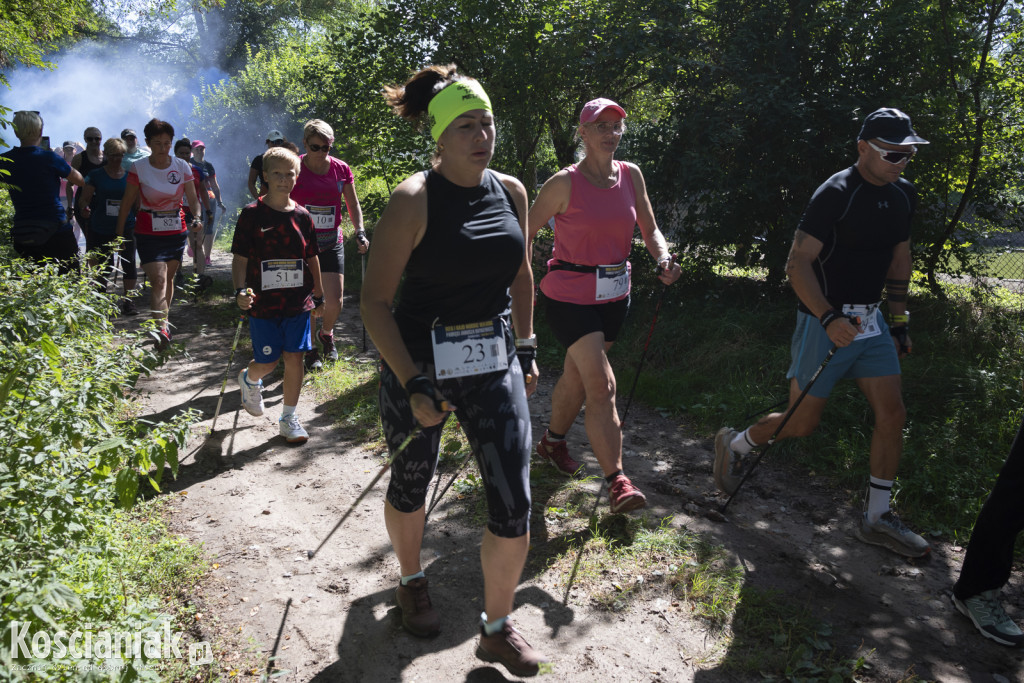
(422,385)
(899,333)
(526,355)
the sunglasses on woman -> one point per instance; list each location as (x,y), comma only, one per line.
(318,148)
(893,156)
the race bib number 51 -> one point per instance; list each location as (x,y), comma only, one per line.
(470,349)
(281,274)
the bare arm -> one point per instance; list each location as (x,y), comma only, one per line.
(238,268)
(355,214)
(552,199)
(318,284)
(131,196)
(522,286)
(397,233)
(653,239)
(193,203)
(75,178)
(215,186)
(85,197)
(800,270)
(253,175)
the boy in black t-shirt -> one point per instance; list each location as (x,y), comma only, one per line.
(277,279)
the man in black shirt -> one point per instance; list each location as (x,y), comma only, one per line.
(853,240)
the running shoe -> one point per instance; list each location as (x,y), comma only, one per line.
(989,617)
(128,307)
(252,395)
(557,453)
(190,252)
(312,359)
(209,261)
(418,614)
(509,648)
(327,342)
(624,496)
(291,430)
(890,531)
(161,338)
(728,468)
(205,282)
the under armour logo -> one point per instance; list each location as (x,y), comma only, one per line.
(883,205)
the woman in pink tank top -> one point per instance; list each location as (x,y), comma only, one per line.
(596,205)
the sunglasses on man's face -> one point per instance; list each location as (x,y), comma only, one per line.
(894,157)
(93,139)
(275,143)
(318,148)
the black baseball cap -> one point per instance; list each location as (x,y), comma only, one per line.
(891,126)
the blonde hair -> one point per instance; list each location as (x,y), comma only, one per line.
(114,145)
(320,128)
(276,155)
(28,125)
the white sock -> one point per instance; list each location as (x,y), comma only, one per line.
(742,444)
(246,378)
(492,627)
(286,411)
(879,493)
(417,575)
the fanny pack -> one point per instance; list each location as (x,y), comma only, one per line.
(558,264)
(35,233)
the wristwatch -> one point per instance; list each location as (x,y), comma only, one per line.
(528,343)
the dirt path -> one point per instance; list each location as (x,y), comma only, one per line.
(333,619)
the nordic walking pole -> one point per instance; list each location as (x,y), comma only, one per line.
(310,554)
(785,419)
(650,332)
(361,294)
(436,498)
(231,357)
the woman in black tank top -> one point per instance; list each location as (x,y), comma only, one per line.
(456,234)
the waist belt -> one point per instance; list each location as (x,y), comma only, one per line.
(559,264)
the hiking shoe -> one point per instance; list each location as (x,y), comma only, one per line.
(312,360)
(252,395)
(418,614)
(209,261)
(128,307)
(161,339)
(205,282)
(327,341)
(291,430)
(624,496)
(891,532)
(557,453)
(728,468)
(989,617)
(508,647)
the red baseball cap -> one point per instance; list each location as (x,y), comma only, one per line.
(593,108)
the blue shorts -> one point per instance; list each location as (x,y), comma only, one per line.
(271,336)
(872,357)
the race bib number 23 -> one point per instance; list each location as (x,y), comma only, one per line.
(470,349)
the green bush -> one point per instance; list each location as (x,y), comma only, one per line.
(70,454)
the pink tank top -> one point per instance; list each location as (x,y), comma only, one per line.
(596,229)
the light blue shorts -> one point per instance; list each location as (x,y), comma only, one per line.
(872,357)
(271,336)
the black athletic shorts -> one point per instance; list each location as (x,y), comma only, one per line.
(492,411)
(160,247)
(333,260)
(570,322)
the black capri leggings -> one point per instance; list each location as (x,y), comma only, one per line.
(492,410)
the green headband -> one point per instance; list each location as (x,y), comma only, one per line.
(454,100)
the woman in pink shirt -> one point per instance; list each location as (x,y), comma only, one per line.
(159,181)
(324,186)
(596,204)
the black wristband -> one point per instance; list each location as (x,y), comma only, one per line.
(527,355)
(318,301)
(830,316)
(421,384)
(899,333)
(240,291)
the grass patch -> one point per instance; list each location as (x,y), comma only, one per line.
(346,391)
